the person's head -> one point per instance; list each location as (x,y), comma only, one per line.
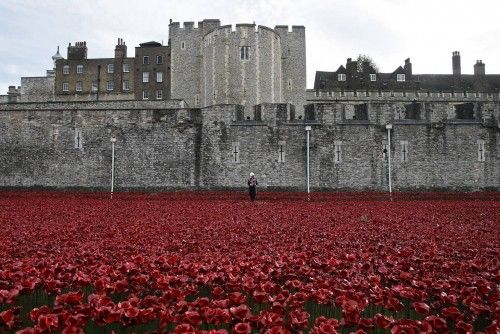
(252,174)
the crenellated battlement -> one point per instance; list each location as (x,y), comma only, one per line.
(240,29)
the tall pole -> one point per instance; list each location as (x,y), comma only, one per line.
(113,140)
(308,129)
(389,127)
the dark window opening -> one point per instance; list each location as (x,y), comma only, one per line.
(464,111)
(361,112)
(412,110)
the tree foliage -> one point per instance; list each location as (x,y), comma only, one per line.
(362,58)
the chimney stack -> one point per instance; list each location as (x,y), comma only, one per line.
(479,68)
(77,52)
(457,67)
(408,67)
(120,49)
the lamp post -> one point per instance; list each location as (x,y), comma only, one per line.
(389,128)
(113,141)
(308,130)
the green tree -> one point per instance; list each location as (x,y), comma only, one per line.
(362,58)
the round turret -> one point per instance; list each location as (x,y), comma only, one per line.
(56,56)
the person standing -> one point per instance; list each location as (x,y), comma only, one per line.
(252,185)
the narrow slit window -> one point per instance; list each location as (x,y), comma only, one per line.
(337,152)
(281,151)
(236,152)
(404,151)
(385,151)
(481,154)
(78,139)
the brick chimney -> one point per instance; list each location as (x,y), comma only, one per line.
(78,51)
(408,68)
(120,49)
(479,68)
(457,67)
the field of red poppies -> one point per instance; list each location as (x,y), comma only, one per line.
(217,263)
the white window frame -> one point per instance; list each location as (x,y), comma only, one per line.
(66,69)
(111,68)
(341,77)
(125,85)
(145,95)
(401,77)
(145,76)
(404,150)
(281,151)
(65,87)
(337,152)
(79,86)
(159,76)
(159,94)
(126,68)
(145,60)
(373,77)
(244,52)
(110,86)
(79,69)
(94,86)
(235,152)
(159,59)
(481,153)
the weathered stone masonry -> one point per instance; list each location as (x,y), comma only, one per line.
(161,145)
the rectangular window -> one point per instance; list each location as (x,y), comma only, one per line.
(110,86)
(196,100)
(159,76)
(481,154)
(145,94)
(341,77)
(78,139)
(65,87)
(373,77)
(126,85)
(401,77)
(404,151)
(338,152)
(78,86)
(145,76)
(126,68)
(145,60)
(244,52)
(235,152)
(79,69)
(159,94)
(94,86)
(281,151)
(66,69)
(111,68)
(159,59)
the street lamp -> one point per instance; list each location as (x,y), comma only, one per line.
(389,128)
(308,130)
(113,141)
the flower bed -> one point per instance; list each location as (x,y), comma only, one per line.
(216,263)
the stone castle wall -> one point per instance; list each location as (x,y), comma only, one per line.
(161,145)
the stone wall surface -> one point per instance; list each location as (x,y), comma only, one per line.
(162,145)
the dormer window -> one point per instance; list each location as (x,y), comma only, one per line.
(401,78)
(341,77)
(373,77)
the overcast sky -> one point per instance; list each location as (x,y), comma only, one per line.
(389,31)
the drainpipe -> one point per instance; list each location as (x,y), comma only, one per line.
(308,130)
(389,127)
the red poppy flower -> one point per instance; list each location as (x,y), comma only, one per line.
(241,312)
